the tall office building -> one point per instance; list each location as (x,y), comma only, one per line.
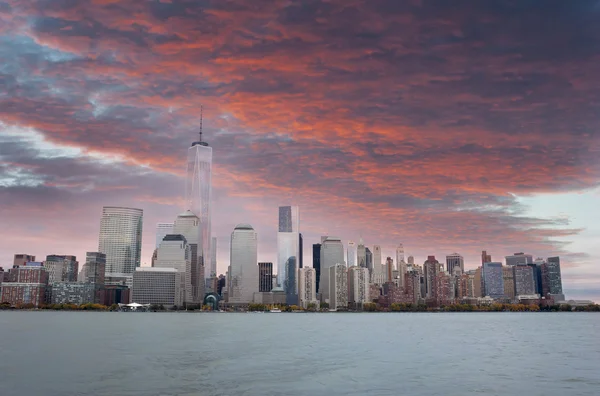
(61,268)
(121,241)
(162,230)
(198,191)
(338,286)
(485,258)
(554,277)
(307,286)
(243,264)
(316,254)
(288,247)
(493,282)
(376,256)
(301,252)
(369,259)
(358,286)
(430,272)
(524,280)
(411,260)
(351,254)
(508,277)
(265,277)
(400,265)
(361,254)
(519,259)
(188,224)
(455,260)
(332,253)
(175,252)
(389,269)
(94,268)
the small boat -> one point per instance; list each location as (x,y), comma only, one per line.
(276,310)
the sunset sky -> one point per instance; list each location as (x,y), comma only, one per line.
(448,126)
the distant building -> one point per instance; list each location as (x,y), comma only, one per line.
(455,260)
(524,281)
(27,284)
(430,271)
(400,265)
(485,258)
(361,254)
(175,252)
(162,230)
(369,259)
(519,259)
(410,260)
(115,294)
(509,282)
(244,273)
(21,259)
(478,283)
(288,248)
(338,286)
(412,286)
(554,277)
(358,286)
(332,253)
(300,251)
(73,293)
(61,268)
(316,254)
(351,254)
(265,276)
(493,282)
(94,268)
(307,286)
(152,285)
(188,225)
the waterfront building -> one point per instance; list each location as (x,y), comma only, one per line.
(338,286)
(509,282)
(175,252)
(61,268)
(116,294)
(244,272)
(332,253)
(554,277)
(189,225)
(26,284)
(307,286)
(455,260)
(430,272)
(162,230)
(361,254)
(157,285)
(316,254)
(519,259)
(288,249)
(265,277)
(524,280)
(493,283)
(121,241)
(358,286)
(198,200)
(73,293)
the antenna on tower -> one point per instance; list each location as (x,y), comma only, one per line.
(200,123)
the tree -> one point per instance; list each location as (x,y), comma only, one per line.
(324,306)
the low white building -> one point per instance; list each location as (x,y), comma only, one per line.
(157,285)
(307,286)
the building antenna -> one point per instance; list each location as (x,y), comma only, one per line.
(200,123)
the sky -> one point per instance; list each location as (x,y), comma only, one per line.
(446,126)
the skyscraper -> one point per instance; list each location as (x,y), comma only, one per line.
(265,280)
(188,224)
(213,258)
(358,286)
(430,273)
(300,252)
(198,190)
(61,268)
(493,282)
(369,259)
(175,252)
(361,254)
(307,286)
(243,264)
(519,259)
(351,254)
(332,253)
(401,264)
(411,260)
(455,260)
(485,258)
(524,280)
(376,256)
(162,230)
(316,254)
(94,268)
(121,241)
(288,246)
(338,286)
(554,276)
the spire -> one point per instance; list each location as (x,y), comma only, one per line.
(200,124)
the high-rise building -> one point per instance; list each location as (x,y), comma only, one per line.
(430,272)
(316,253)
(369,259)
(162,230)
(351,254)
(155,285)
(361,254)
(524,280)
(301,252)
(509,282)
(400,265)
(358,286)
(288,248)
(332,253)
(554,277)
(61,268)
(478,282)
(376,256)
(21,259)
(493,282)
(188,225)
(198,191)
(411,260)
(27,284)
(243,274)
(519,259)
(213,259)
(94,268)
(265,277)
(121,241)
(338,286)
(175,252)
(485,258)
(389,269)
(307,286)
(455,260)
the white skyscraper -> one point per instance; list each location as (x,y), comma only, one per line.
(358,286)
(401,265)
(121,241)
(378,275)
(307,286)
(376,255)
(188,225)
(162,230)
(198,189)
(338,286)
(288,249)
(243,267)
(332,253)
(175,252)
(351,254)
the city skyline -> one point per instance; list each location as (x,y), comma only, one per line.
(392,132)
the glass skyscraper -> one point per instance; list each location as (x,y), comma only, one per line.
(198,196)
(288,248)
(554,276)
(121,241)
(493,280)
(332,253)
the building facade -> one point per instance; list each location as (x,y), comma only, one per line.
(509,282)
(188,224)
(519,259)
(493,282)
(61,268)
(358,286)
(73,293)
(307,286)
(288,249)
(361,254)
(316,254)
(524,280)
(332,253)
(554,277)
(174,252)
(455,260)
(243,273)
(26,284)
(351,254)
(265,271)
(20,259)
(162,230)
(400,265)
(155,285)
(338,286)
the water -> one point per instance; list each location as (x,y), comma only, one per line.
(86,353)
